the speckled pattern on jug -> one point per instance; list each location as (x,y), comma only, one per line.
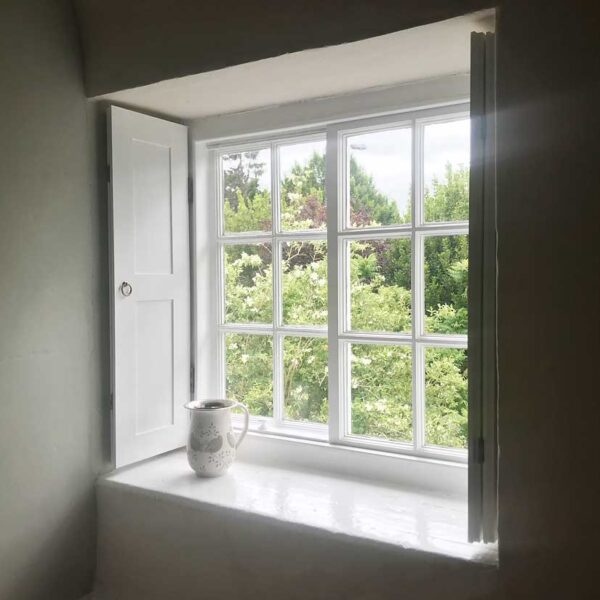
(210,453)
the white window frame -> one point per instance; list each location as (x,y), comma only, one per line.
(338,235)
(277,330)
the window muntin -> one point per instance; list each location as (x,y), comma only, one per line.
(409,414)
(273,285)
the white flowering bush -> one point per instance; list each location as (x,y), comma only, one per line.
(380,290)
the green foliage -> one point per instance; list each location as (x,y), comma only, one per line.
(380,280)
(251,379)
(377,302)
(368,206)
(242,174)
(305,379)
(382,391)
(446,275)
(303,196)
(304,280)
(449,198)
(251,214)
(446,397)
(248,284)
(247,207)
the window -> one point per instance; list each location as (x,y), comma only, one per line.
(342,267)
(273,282)
(337,309)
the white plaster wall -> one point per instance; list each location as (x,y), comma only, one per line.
(548,222)
(53,373)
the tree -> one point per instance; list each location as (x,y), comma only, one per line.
(303,195)
(368,206)
(241,176)
(380,277)
(246,206)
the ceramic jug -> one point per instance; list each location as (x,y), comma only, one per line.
(211,443)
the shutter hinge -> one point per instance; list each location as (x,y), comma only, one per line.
(479,456)
(190,190)
(192,379)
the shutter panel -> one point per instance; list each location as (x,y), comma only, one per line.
(150,284)
(482,356)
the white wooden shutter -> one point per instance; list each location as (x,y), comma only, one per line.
(150,279)
(482,356)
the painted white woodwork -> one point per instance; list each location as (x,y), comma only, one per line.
(483,382)
(150,284)
(338,235)
(309,445)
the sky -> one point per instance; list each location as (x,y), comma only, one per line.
(386,155)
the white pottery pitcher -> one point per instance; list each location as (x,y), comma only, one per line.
(211,442)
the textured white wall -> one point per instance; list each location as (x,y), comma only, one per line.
(53,372)
(548,221)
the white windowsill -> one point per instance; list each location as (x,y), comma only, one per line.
(410,520)
(407,471)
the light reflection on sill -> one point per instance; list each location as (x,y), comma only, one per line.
(312,432)
(409,520)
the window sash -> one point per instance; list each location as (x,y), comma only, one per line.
(338,235)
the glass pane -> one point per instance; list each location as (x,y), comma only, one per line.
(446,167)
(305,379)
(304,283)
(446,397)
(446,276)
(381,382)
(380,296)
(302,180)
(248,283)
(380,177)
(249,371)
(247,191)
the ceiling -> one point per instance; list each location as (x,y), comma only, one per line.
(413,54)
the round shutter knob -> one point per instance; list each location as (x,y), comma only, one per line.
(126,289)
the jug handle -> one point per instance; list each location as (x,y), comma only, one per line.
(244,431)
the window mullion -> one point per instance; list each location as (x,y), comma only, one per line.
(418,285)
(222,353)
(339,235)
(278,383)
(417,270)
(275,195)
(278,412)
(333,186)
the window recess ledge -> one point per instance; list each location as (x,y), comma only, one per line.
(286,450)
(324,504)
